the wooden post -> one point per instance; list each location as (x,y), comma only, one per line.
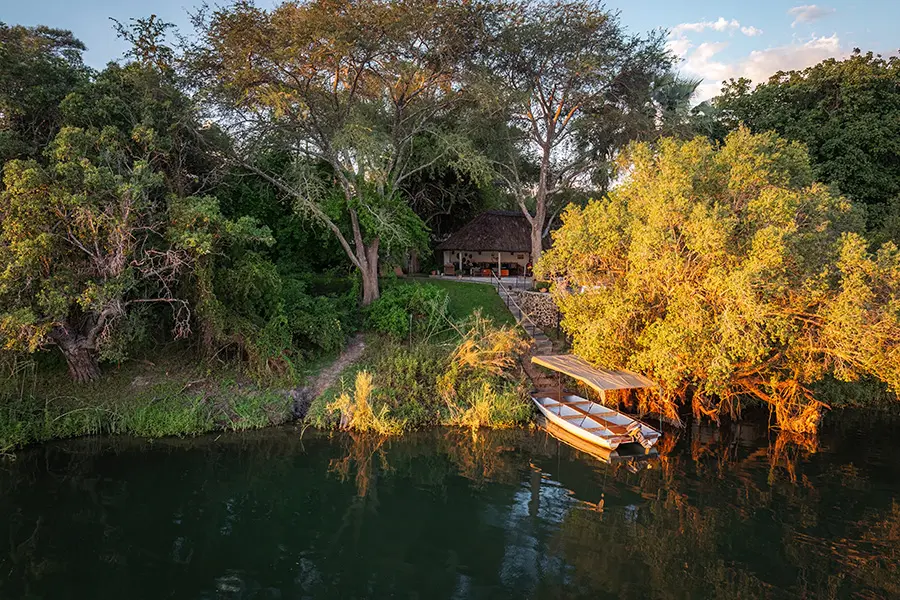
(460,262)
(499,265)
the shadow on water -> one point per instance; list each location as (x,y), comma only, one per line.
(720,513)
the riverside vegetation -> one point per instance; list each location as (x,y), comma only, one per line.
(452,367)
(190,234)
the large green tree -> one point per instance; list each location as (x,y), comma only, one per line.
(847,112)
(360,86)
(106,218)
(725,274)
(39,67)
(576,87)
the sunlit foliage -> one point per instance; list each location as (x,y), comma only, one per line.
(728,274)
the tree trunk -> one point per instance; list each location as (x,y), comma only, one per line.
(83,365)
(540,207)
(537,243)
(369,270)
(79,350)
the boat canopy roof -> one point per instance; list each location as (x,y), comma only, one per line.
(601,380)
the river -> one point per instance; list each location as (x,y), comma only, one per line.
(722,513)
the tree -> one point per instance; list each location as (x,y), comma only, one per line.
(360,86)
(110,221)
(75,247)
(574,82)
(847,112)
(39,66)
(728,274)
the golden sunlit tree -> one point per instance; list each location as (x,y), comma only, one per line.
(727,273)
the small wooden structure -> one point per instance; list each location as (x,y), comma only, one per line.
(590,421)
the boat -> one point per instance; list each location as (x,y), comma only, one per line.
(626,453)
(591,421)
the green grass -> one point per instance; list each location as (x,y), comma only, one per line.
(466,297)
(174,395)
(408,383)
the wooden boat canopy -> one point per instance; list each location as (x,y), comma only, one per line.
(602,380)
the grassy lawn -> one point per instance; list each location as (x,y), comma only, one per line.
(465,297)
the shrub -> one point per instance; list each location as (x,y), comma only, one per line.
(270,318)
(474,382)
(425,306)
(358,414)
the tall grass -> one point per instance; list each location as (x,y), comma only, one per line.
(174,405)
(357,413)
(473,381)
(489,405)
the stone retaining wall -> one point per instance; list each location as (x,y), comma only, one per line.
(539,307)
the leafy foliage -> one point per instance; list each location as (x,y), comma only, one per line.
(423,307)
(313,77)
(727,274)
(77,241)
(847,112)
(39,67)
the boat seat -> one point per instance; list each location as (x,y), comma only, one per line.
(617,429)
(604,423)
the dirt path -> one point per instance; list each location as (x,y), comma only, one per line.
(329,376)
(303,396)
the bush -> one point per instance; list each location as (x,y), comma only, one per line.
(425,306)
(472,382)
(270,318)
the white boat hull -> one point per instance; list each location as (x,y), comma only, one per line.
(594,423)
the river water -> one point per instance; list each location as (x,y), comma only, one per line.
(722,513)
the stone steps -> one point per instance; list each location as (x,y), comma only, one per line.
(541,345)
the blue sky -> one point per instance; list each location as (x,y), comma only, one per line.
(716,40)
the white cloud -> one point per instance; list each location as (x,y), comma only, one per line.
(808,13)
(679,44)
(719,25)
(759,65)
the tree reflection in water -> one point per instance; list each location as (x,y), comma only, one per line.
(723,512)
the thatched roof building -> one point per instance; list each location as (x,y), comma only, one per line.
(496,239)
(492,231)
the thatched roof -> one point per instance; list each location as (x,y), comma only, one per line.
(492,231)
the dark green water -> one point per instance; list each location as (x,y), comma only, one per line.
(723,514)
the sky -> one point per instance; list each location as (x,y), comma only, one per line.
(715,40)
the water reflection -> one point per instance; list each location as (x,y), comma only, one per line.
(719,513)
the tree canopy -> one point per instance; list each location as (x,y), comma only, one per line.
(728,274)
(576,87)
(39,67)
(847,112)
(363,88)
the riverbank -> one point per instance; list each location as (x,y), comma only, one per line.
(172,392)
(411,387)
(464,373)
(169,394)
